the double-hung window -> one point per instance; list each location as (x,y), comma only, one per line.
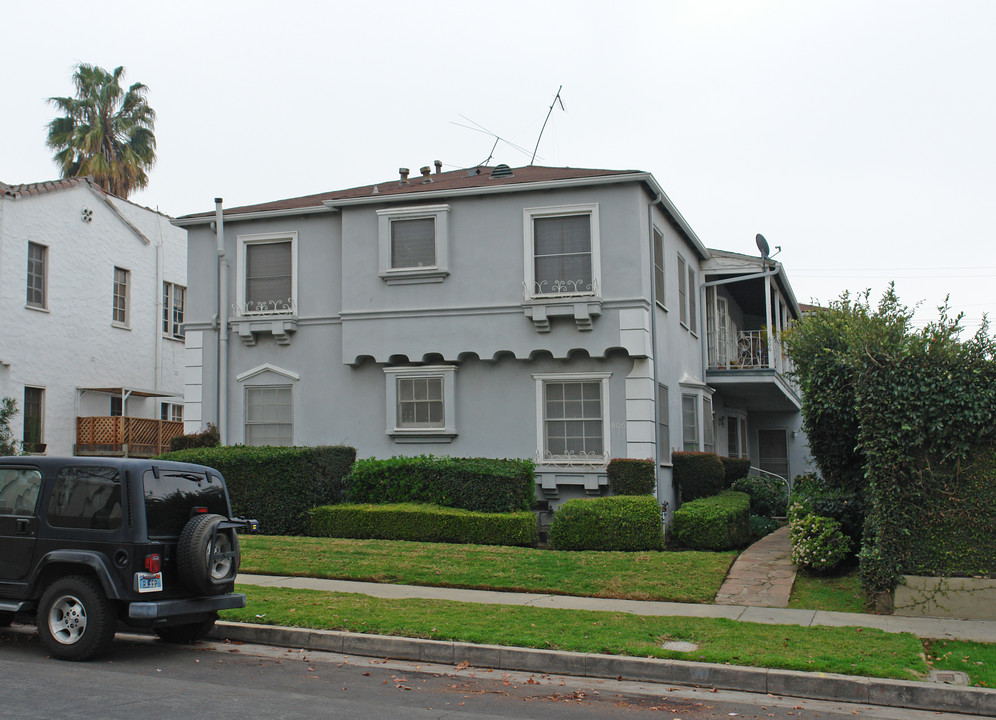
(268,274)
(689,423)
(171,411)
(663,425)
(269,415)
(34,407)
(572,417)
(173,297)
(562,251)
(687,292)
(413,244)
(660,286)
(122,280)
(37,285)
(420,403)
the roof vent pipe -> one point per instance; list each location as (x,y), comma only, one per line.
(404,175)
(439,166)
(426,178)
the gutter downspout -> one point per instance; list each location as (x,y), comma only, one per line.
(222,325)
(653,343)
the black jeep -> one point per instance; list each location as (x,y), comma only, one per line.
(87,543)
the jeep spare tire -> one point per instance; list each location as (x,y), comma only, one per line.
(208,558)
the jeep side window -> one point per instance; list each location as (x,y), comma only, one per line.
(86,497)
(18,491)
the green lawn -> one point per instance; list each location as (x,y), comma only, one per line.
(852,651)
(693,577)
(838,593)
(976,659)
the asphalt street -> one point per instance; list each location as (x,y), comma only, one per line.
(144,678)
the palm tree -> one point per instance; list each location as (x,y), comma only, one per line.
(105,132)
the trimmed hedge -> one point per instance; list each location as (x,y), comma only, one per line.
(698,474)
(631,477)
(720,522)
(208,437)
(276,485)
(734,469)
(768,495)
(478,484)
(619,522)
(423,523)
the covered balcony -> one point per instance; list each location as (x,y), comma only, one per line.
(122,432)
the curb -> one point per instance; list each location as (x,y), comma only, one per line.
(930,696)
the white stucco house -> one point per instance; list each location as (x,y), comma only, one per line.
(567,315)
(92,295)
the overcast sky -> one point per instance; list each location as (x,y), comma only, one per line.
(860,136)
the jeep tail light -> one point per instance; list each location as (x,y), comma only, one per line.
(153,563)
(199,510)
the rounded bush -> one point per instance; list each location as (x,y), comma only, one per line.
(620,522)
(818,543)
(768,495)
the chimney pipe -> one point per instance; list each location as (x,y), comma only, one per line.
(404,175)
(439,166)
(425,174)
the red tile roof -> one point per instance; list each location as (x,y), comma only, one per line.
(453,180)
(39,188)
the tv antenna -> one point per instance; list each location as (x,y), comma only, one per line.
(498,138)
(556,99)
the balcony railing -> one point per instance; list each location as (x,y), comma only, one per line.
(746,350)
(125,436)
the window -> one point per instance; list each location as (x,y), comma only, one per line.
(682,292)
(18,491)
(693,291)
(420,403)
(562,251)
(414,244)
(86,497)
(34,409)
(659,276)
(120,314)
(663,425)
(117,406)
(37,291)
(268,273)
(736,437)
(708,433)
(573,418)
(171,411)
(173,296)
(269,415)
(689,423)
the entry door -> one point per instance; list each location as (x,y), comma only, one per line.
(773,451)
(18,520)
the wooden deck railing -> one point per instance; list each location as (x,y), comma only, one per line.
(125,436)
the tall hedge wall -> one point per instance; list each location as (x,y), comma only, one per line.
(477,484)
(276,485)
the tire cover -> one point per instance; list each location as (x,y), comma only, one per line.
(193,553)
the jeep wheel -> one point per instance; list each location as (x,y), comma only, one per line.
(186,634)
(207,567)
(6,619)
(75,619)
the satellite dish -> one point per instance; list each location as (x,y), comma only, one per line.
(762,245)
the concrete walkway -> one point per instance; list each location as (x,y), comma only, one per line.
(763,574)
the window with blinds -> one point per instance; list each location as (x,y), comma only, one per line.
(269,415)
(268,275)
(562,254)
(413,243)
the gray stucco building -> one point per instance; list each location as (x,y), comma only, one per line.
(566,315)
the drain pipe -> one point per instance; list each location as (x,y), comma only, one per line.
(653,342)
(222,325)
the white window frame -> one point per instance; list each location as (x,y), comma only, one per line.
(708,426)
(687,443)
(245,409)
(43,274)
(531,214)
(439,434)
(172,328)
(682,291)
(541,454)
(173,412)
(663,424)
(413,275)
(693,302)
(240,293)
(125,298)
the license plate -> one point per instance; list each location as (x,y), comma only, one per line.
(148,582)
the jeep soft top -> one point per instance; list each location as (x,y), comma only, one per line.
(87,543)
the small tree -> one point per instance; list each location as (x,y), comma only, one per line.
(8,409)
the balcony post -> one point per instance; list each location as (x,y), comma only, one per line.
(767,322)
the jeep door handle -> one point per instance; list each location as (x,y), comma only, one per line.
(23,526)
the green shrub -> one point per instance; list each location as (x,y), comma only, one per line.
(477,484)
(818,544)
(276,485)
(761,526)
(734,469)
(768,495)
(423,523)
(208,437)
(819,498)
(720,522)
(631,477)
(697,474)
(619,522)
